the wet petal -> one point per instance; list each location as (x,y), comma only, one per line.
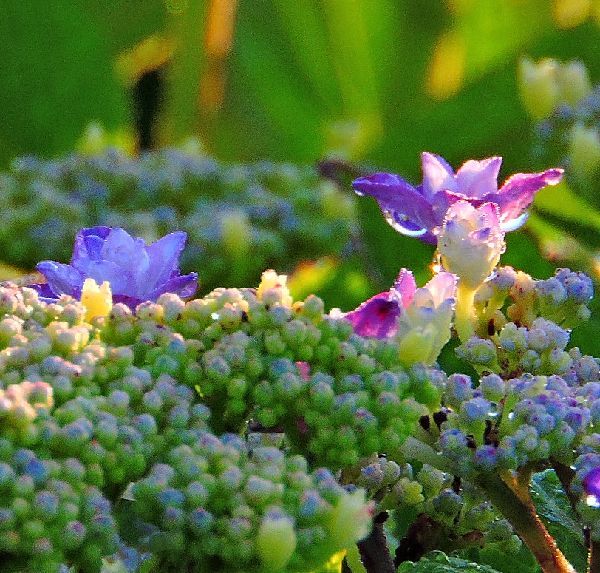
(164,256)
(405,286)
(123,250)
(184,286)
(376,317)
(88,246)
(396,195)
(518,192)
(121,281)
(442,287)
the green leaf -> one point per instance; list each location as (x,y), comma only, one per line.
(438,562)
(555,510)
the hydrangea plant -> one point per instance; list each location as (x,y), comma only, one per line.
(143,430)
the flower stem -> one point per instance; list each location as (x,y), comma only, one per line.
(465,315)
(522,516)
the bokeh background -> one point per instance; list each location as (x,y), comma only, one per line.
(314,87)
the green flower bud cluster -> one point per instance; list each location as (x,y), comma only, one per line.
(136,399)
(460,511)
(513,296)
(228,211)
(338,397)
(221,505)
(570,136)
(49,515)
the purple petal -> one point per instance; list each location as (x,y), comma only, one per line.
(591,483)
(43,289)
(99,231)
(376,317)
(518,192)
(61,279)
(121,281)
(184,286)
(445,199)
(88,245)
(479,178)
(398,196)
(125,251)
(405,286)
(437,174)
(130,301)
(164,256)
(45,293)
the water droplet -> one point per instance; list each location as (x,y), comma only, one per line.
(514,224)
(402,224)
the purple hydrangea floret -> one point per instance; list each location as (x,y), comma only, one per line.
(591,483)
(378,316)
(136,272)
(419,211)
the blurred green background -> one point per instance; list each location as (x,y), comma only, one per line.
(370,82)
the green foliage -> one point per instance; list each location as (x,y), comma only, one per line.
(438,562)
(46,72)
(562,522)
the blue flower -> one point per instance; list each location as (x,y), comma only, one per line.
(136,272)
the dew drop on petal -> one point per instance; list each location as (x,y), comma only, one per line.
(402,224)
(515,223)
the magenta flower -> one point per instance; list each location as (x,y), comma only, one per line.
(419,211)
(136,272)
(379,316)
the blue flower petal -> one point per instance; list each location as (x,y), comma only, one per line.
(61,279)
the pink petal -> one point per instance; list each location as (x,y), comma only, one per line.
(376,317)
(479,178)
(518,192)
(405,286)
(438,175)
(442,287)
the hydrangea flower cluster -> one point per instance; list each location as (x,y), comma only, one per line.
(532,405)
(280,213)
(245,431)
(119,464)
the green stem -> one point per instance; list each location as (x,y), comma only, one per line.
(465,314)
(522,516)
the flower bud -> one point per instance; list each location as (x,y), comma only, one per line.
(97,299)
(276,541)
(273,289)
(538,86)
(584,149)
(471,242)
(574,82)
